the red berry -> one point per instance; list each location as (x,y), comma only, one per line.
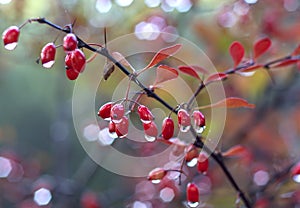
(145,114)
(191,156)
(167,128)
(112,129)
(157,175)
(89,200)
(48,55)
(117,112)
(78,60)
(192,193)
(10,37)
(68,62)
(104,111)
(70,42)
(122,127)
(199,121)
(150,131)
(184,120)
(71,74)
(202,164)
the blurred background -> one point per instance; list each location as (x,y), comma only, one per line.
(42,163)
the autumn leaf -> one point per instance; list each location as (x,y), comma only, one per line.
(235,151)
(120,58)
(215,77)
(296,51)
(261,46)
(237,52)
(189,70)
(163,54)
(230,102)
(165,73)
(285,63)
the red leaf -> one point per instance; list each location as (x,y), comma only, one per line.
(252,68)
(163,54)
(199,69)
(230,102)
(285,63)
(261,46)
(296,51)
(235,151)
(237,52)
(165,73)
(189,70)
(215,77)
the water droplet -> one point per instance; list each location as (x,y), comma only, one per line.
(150,138)
(146,121)
(184,128)
(11,46)
(193,204)
(48,64)
(192,163)
(113,135)
(123,136)
(296,178)
(200,129)
(156,181)
(117,120)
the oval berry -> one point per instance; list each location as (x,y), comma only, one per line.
(150,130)
(192,195)
(68,62)
(191,156)
(104,111)
(167,128)
(71,74)
(202,164)
(184,120)
(156,175)
(112,129)
(10,37)
(145,114)
(199,121)
(48,55)
(70,42)
(78,60)
(117,112)
(122,127)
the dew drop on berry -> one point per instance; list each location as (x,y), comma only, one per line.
(11,46)
(150,138)
(200,129)
(193,204)
(157,181)
(48,64)
(192,163)
(184,128)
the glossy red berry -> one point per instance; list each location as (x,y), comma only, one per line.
(104,111)
(117,112)
(71,74)
(10,37)
(48,55)
(192,195)
(89,200)
(184,120)
(68,62)
(191,156)
(78,60)
(70,42)
(156,175)
(295,171)
(202,164)
(145,114)
(199,121)
(150,130)
(112,129)
(122,127)
(167,128)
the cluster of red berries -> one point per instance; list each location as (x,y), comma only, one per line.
(74,61)
(118,122)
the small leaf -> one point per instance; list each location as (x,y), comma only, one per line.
(261,46)
(215,77)
(163,54)
(199,69)
(235,151)
(230,102)
(165,73)
(189,70)
(237,52)
(120,58)
(285,63)
(296,51)
(109,68)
